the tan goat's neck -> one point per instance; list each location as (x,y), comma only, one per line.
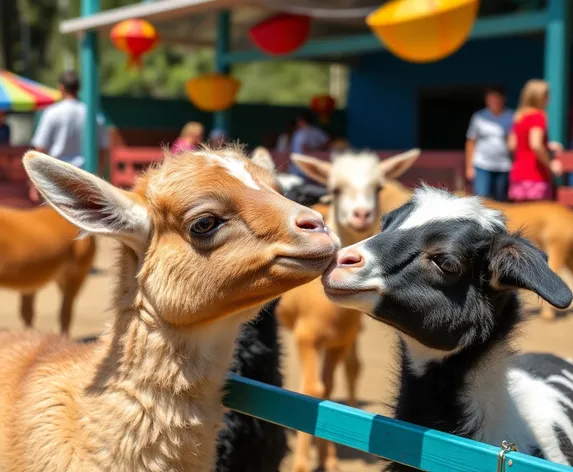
(156,400)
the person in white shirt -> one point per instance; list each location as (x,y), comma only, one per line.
(60,130)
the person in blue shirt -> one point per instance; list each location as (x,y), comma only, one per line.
(4,130)
(306,138)
(488,160)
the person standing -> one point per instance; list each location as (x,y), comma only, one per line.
(533,167)
(218,138)
(488,159)
(189,139)
(306,138)
(61,127)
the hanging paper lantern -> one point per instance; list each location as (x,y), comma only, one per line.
(281,34)
(134,37)
(424,30)
(213,92)
(323,106)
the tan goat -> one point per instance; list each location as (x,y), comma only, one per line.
(319,326)
(549,225)
(206,240)
(37,247)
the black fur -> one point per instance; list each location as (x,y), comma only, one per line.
(248,444)
(306,194)
(450,285)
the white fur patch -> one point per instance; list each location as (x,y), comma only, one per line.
(356,175)
(505,403)
(420,355)
(289,181)
(234,167)
(433,205)
(539,404)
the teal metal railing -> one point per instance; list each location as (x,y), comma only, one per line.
(388,438)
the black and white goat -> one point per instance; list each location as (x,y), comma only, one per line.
(444,273)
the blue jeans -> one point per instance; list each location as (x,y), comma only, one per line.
(491,184)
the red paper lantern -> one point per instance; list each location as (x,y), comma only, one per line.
(134,37)
(281,34)
(323,106)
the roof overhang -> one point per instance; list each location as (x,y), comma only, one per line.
(152,11)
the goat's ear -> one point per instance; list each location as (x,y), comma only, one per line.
(87,201)
(515,262)
(262,157)
(393,167)
(314,168)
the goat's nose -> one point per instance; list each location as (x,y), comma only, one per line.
(349,258)
(362,214)
(310,222)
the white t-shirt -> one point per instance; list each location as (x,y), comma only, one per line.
(490,134)
(61,128)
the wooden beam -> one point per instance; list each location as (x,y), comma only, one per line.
(152,11)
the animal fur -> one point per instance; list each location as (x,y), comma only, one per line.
(146,396)
(38,246)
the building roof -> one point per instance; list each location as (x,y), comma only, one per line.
(193,22)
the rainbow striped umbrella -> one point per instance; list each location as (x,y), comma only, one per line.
(20,94)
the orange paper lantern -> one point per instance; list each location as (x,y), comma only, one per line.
(424,30)
(213,92)
(323,106)
(134,37)
(281,34)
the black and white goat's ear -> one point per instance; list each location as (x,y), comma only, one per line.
(312,167)
(262,157)
(515,262)
(87,201)
(393,167)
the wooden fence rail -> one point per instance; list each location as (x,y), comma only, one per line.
(412,445)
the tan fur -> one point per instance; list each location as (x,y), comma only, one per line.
(549,225)
(319,326)
(147,395)
(37,247)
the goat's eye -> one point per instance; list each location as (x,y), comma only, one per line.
(379,188)
(335,191)
(205,225)
(446,265)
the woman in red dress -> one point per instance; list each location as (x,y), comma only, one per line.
(531,174)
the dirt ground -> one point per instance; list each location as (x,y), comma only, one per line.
(376,344)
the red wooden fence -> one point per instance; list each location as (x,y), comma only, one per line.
(13,178)
(437,168)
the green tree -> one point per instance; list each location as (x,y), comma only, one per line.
(32,45)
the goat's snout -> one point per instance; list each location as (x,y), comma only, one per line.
(361,218)
(310,222)
(349,258)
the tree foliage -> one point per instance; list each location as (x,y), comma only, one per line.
(32,45)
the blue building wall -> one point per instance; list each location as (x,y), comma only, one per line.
(382,102)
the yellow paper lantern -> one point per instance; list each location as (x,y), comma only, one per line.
(424,30)
(213,92)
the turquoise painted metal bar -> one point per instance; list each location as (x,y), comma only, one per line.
(90,88)
(222,46)
(503,25)
(392,439)
(557,69)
